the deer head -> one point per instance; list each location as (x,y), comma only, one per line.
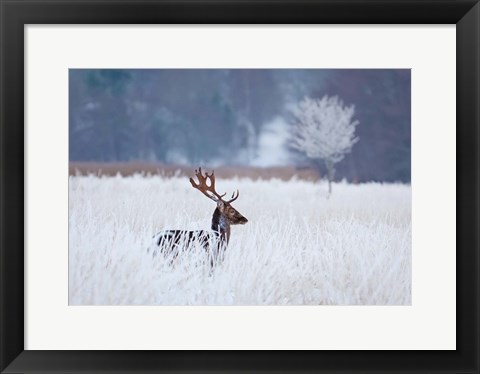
(233,216)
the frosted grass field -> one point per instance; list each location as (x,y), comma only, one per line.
(298,248)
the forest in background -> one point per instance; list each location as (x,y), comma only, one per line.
(237,117)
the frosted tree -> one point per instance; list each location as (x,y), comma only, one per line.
(324,131)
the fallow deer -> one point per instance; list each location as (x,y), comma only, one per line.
(214,241)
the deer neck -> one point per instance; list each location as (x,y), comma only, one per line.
(221,225)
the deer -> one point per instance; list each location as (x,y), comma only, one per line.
(214,241)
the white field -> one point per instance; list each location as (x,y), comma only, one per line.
(298,248)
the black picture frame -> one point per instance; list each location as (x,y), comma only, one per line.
(17,13)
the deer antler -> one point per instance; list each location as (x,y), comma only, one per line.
(233,197)
(204,188)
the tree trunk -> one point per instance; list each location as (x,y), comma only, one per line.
(330,175)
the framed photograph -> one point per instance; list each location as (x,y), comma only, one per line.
(239,186)
(179,248)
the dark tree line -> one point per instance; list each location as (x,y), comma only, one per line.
(194,116)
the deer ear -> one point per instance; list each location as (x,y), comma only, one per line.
(220,205)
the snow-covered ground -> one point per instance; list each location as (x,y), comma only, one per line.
(298,247)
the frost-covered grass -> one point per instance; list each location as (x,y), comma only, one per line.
(298,247)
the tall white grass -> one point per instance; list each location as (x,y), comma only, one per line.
(298,247)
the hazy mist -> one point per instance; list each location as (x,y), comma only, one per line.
(218,117)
